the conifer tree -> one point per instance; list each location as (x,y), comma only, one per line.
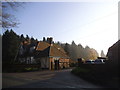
(102,54)
(10,44)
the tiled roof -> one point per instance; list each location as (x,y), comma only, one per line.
(59,47)
(42,46)
(27,49)
(54,50)
(57,52)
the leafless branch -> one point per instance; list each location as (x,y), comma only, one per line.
(8,20)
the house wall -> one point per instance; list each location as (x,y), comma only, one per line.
(63,63)
(51,63)
(113,53)
(44,62)
(27,60)
(47,63)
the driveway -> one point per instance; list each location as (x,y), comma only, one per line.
(45,79)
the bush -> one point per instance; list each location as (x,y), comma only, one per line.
(104,74)
(79,70)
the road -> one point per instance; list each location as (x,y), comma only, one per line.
(45,79)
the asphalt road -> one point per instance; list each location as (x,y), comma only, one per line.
(45,79)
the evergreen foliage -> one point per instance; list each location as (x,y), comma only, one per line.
(78,51)
(102,54)
(11,43)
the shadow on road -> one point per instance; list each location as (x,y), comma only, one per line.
(45,79)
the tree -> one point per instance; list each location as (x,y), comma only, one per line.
(80,51)
(93,54)
(9,20)
(102,54)
(67,48)
(27,37)
(10,44)
(0,14)
(87,52)
(73,51)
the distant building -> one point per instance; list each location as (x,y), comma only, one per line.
(114,52)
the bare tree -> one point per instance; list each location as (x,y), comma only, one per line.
(0,14)
(7,20)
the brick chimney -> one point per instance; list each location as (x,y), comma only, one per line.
(50,40)
(44,39)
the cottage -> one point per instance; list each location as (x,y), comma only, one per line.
(26,53)
(50,55)
(45,53)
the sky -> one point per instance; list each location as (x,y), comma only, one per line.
(88,23)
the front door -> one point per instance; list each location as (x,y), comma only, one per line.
(56,64)
(52,66)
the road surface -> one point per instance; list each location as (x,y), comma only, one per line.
(45,79)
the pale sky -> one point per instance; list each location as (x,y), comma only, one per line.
(89,23)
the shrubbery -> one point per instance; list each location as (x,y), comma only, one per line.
(79,70)
(102,74)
